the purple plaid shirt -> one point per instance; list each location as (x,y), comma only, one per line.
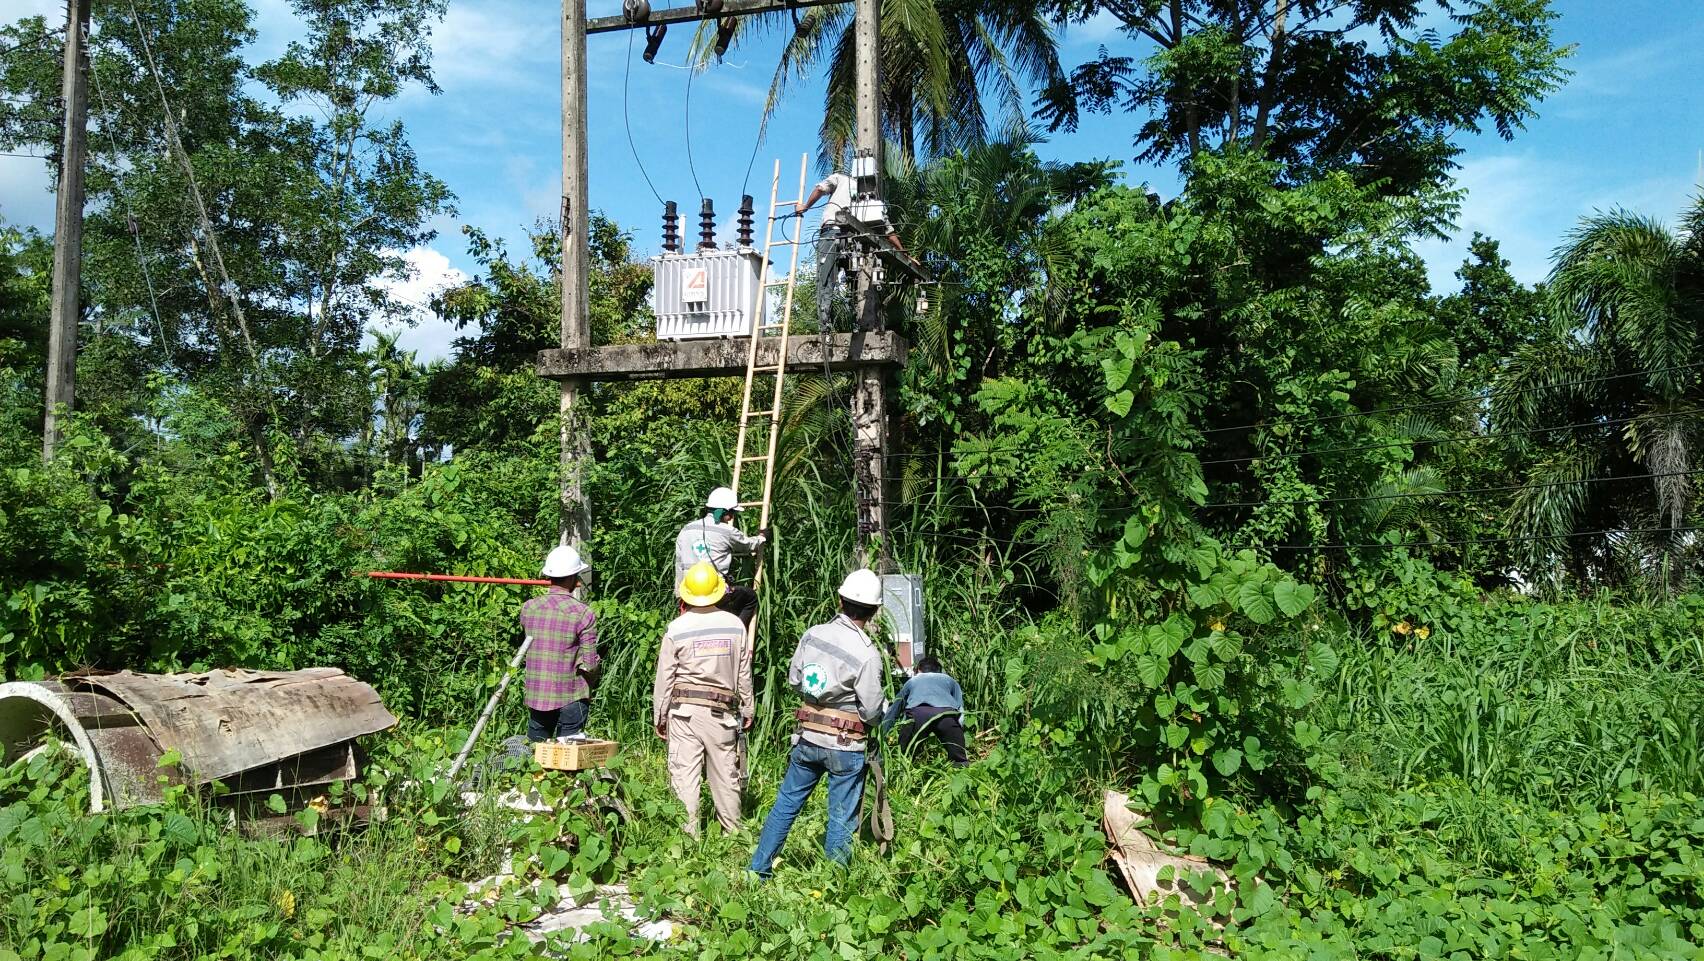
(564,649)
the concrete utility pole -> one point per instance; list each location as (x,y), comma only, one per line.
(869,398)
(68,229)
(576,327)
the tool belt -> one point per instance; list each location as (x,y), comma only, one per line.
(844,725)
(719,698)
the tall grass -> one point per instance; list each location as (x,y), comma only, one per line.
(1551,704)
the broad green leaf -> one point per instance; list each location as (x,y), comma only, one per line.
(1152,670)
(1227,761)
(1206,594)
(1323,659)
(1292,598)
(1117,372)
(1135,532)
(1255,602)
(1120,402)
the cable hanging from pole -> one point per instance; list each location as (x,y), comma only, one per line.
(627,122)
(132,226)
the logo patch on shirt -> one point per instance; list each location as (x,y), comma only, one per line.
(814,679)
(713,647)
(701,551)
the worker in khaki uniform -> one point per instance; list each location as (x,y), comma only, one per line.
(702,697)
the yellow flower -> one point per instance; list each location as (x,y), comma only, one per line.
(1217,625)
(320,804)
(1422,632)
(1401,627)
(816,894)
(287,904)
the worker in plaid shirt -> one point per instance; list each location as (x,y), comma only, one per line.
(562,660)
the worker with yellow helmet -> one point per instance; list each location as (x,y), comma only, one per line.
(702,700)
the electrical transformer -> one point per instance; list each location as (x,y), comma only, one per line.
(706,293)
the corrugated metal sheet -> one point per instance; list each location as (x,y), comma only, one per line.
(707,293)
(253,730)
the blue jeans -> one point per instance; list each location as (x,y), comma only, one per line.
(568,719)
(807,766)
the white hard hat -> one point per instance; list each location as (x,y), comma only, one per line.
(723,499)
(564,561)
(862,586)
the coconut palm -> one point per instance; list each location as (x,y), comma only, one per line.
(944,64)
(1616,391)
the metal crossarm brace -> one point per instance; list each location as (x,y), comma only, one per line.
(730,8)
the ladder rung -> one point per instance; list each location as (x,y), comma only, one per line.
(766,368)
(747,460)
(744,504)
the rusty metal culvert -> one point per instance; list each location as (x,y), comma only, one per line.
(254,731)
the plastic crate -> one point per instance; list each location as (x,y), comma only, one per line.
(573,755)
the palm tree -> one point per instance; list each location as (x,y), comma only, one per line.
(942,63)
(1616,391)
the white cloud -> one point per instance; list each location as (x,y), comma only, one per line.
(24,198)
(50,9)
(1529,203)
(429,272)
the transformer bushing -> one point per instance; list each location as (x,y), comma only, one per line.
(707,225)
(745,220)
(671,227)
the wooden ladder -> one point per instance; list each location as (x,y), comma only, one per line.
(760,428)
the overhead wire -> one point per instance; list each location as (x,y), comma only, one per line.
(35,41)
(627,122)
(1369,498)
(1466,542)
(1456,439)
(1452,402)
(691,69)
(131,223)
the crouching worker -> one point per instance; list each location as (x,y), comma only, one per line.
(837,671)
(702,698)
(562,661)
(932,703)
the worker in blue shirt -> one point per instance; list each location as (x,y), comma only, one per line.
(933,703)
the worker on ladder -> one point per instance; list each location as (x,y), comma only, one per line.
(716,538)
(837,671)
(702,700)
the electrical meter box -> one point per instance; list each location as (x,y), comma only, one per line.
(706,293)
(902,604)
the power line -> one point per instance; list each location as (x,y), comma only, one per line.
(1453,402)
(690,70)
(131,222)
(1402,495)
(628,123)
(1458,439)
(31,156)
(1407,407)
(1455,492)
(1468,541)
(35,41)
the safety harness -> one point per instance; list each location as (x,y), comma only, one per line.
(844,725)
(711,696)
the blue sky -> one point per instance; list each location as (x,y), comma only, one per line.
(1628,130)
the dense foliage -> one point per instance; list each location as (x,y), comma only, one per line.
(1383,599)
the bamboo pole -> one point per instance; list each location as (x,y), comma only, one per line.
(490,706)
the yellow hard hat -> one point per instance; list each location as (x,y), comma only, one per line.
(703,585)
